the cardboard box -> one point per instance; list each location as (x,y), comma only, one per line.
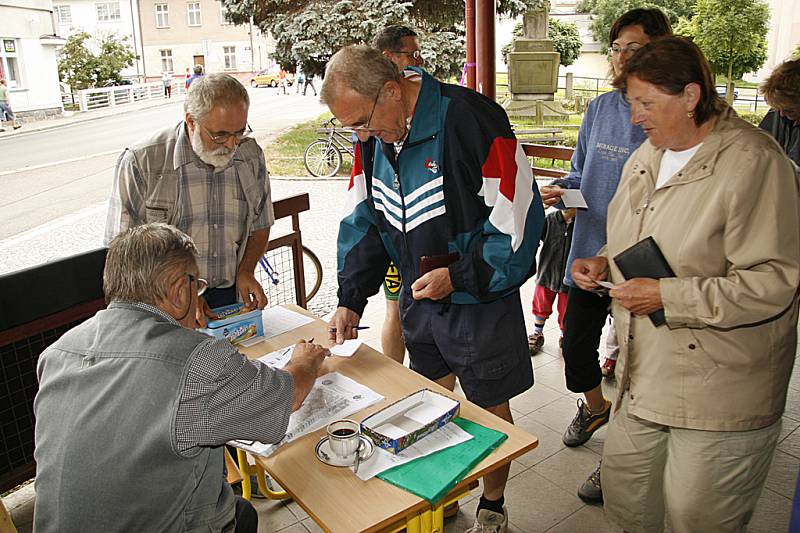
(236,323)
(406,421)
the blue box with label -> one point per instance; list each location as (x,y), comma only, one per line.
(236,323)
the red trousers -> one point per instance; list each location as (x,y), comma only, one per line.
(543,299)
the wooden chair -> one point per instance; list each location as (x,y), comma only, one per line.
(544,151)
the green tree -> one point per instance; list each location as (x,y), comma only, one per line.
(731,33)
(82,69)
(605,12)
(307,33)
(565,36)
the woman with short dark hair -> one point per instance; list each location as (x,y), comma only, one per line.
(700,396)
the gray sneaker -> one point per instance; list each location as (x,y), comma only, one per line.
(490,522)
(585,423)
(591,491)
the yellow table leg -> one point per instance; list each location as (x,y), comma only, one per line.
(244,468)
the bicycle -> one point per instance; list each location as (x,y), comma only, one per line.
(323,157)
(277,267)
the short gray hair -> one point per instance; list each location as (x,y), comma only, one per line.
(142,262)
(391,38)
(214,90)
(359,68)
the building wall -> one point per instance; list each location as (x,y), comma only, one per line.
(35,88)
(83,14)
(207,40)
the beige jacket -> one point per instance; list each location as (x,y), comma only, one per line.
(729,226)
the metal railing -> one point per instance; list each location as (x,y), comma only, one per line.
(90,99)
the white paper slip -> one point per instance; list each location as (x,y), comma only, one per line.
(278,320)
(252,341)
(346,349)
(606,284)
(278,358)
(573,198)
(333,396)
(444,437)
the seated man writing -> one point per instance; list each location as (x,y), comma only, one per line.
(134,407)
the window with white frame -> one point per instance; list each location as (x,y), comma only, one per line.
(166,61)
(229,52)
(162,16)
(108,12)
(9,63)
(222,12)
(193,9)
(63,14)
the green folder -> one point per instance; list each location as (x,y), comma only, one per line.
(433,476)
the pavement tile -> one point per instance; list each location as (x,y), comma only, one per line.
(568,468)
(782,476)
(791,443)
(556,415)
(273,515)
(536,504)
(588,519)
(532,399)
(549,441)
(772,513)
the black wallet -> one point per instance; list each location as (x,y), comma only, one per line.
(432,262)
(645,260)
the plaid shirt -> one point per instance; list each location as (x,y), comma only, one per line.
(211,205)
(227,397)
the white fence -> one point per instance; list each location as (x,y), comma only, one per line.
(90,99)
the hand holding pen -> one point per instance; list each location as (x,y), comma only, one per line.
(344,325)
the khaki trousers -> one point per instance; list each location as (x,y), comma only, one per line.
(704,481)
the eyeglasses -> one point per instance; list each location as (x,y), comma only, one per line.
(222,138)
(629,50)
(365,126)
(202,284)
(416,54)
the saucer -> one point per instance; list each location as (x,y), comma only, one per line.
(324,453)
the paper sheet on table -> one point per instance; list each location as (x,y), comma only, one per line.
(333,396)
(346,349)
(573,198)
(278,358)
(279,320)
(444,437)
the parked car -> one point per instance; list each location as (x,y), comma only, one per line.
(112,83)
(265,78)
(722,90)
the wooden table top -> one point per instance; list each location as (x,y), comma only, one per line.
(334,497)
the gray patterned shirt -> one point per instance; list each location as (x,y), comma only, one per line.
(225,396)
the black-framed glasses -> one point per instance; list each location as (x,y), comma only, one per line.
(416,54)
(629,50)
(202,284)
(365,126)
(223,137)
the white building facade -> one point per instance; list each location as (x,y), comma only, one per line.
(100,18)
(28,57)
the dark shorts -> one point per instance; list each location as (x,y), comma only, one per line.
(484,345)
(392,283)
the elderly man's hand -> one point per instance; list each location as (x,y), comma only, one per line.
(251,290)
(586,271)
(203,312)
(551,194)
(343,325)
(640,296)
(435,285)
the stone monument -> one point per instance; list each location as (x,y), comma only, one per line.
(533,69)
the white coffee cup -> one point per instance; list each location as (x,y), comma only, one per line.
(344,437)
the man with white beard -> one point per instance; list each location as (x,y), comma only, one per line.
(207,177)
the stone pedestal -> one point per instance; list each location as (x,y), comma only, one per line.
(533,70)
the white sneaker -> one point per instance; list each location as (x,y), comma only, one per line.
(490,522)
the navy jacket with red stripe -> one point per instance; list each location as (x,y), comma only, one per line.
(461,183)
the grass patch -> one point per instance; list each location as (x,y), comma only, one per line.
(285,154)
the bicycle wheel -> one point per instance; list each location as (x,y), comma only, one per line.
(312,271)
(322,160)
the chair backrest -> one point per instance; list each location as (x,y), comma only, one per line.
(37,306)
(545,151)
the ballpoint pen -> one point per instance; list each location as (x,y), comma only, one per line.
(357,328)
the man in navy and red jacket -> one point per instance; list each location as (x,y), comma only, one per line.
(441,187)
